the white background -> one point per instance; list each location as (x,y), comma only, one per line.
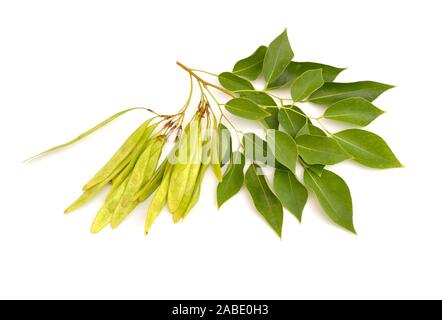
(66,65)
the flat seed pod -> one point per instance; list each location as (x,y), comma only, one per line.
(85,197)
(195,167)
(104,215)
(159,199)
(143,171)
(181,171)
(121,154)
(133,157)
(152,185)
(84,134)
(92,192)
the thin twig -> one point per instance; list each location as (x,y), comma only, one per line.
(204,82)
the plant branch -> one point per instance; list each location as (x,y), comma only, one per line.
(204,82)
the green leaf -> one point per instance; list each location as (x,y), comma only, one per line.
(278,56)
(224,144)
(263,198)
(367,148)
(259,97)
(315,131)
(316,168)
(310,129)
(283,148)
(333,195)
(320,150)
(292,194)
(292,120)
(332,92)
(233,82)
(246,108)
(306,84)
(251,67)
(271,122)
(295,69)
(264,100)
(255,148)
(356,111)
(233,179)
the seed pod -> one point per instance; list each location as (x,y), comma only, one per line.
(190,183)
(152,185)
(142,172)
(85,134)
(188,146)
(104,215)
(159,199)
(121,154)
(85,197)
(197,191)
(92,192)
(133,158)
(156,151)
(155,182)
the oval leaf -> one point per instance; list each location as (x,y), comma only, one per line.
(259,97)
(234,83)
(283,148)
(316,168)
(233,179)
(255,148)
(292,120)
(263,198)
(292,194)
(278,56)
(247,109)
(264,100)
(333,195)
(295,69)
(271,122)
(356,111)
(251,66)
(367,148)
(306,84)
(320,150)
(332,92)
(310,129)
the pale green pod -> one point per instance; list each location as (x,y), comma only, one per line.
(104,215)
(122,176)
(85,197)
(92,192)
(85,134)
(156,151)
(181,171)
(152,185)
(141,174)
(144,169)
(155,182)
(197,190)
(159,199)
(122,153)
(133,157)
(195,167)
(196,193)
